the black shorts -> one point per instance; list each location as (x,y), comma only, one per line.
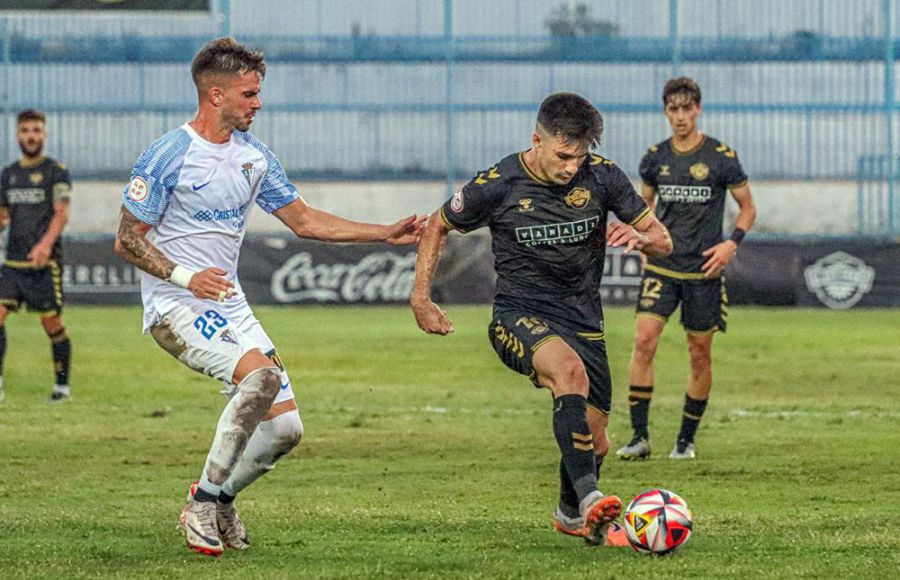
(704,303)
(39,289)
(517,334)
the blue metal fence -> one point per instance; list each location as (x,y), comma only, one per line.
(803,89)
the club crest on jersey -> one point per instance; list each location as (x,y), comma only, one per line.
(247,170)
(578,197)
(456,202)
(664,171)
(526,204)
(138,189)
(699,171)
(36,178)
(226,336)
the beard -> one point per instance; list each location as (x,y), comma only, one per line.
(31,148)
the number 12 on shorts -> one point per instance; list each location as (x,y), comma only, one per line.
(209,323)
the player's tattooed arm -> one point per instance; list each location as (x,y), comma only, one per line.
(134,247)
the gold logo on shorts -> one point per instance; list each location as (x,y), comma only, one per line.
(699,171)
(578,197)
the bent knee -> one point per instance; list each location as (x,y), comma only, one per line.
(289,430)
(571,378)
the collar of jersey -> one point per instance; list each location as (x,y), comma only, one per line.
(31,164)
(208,144)
(690,151)
(529,172)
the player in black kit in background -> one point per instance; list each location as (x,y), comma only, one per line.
(34,203)
(547,211)
(686,180)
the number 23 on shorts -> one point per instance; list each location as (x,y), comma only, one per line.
(209,323)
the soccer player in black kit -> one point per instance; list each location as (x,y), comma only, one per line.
(686,180)
(547,211)
(34,203)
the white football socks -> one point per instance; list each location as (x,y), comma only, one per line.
(237,423)
(271,440)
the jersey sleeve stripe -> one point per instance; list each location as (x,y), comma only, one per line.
(160,166)
(739,184)
(450,224)
(640,217)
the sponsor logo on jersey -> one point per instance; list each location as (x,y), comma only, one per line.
(699,171)
(138,189)
(26,195)
(525,204)
(839,280)
(664,171)
(247,170)
(456,202)
(198,187)
(209,215)
(578,197)
(685,193)
(553,234)
(36,177)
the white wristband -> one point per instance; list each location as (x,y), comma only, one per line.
(181,276)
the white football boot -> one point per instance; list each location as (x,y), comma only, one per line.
(683,450)
(231,528)
(198,522)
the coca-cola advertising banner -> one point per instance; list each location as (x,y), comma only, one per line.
(836,274)
(283,270)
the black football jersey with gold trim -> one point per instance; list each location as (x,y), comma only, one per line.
(691,191)
(548,240)
(28,192)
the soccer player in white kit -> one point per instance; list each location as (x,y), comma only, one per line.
(182,222)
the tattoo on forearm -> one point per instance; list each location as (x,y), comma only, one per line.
(139,250)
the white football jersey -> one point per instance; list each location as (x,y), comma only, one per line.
(197,196)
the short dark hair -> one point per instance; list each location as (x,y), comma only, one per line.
(681,86)
(31,115)
(571,117)
(226,56)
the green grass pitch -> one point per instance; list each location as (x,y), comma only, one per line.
(425,457)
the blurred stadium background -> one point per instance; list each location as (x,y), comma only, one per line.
(382,108)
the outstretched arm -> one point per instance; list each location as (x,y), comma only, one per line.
(721,254)
(429,316)
(649,236)
(134,247)
(308,222)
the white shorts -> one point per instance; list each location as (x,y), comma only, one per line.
(211,338)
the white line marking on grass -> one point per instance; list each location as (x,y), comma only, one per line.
(794,414)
